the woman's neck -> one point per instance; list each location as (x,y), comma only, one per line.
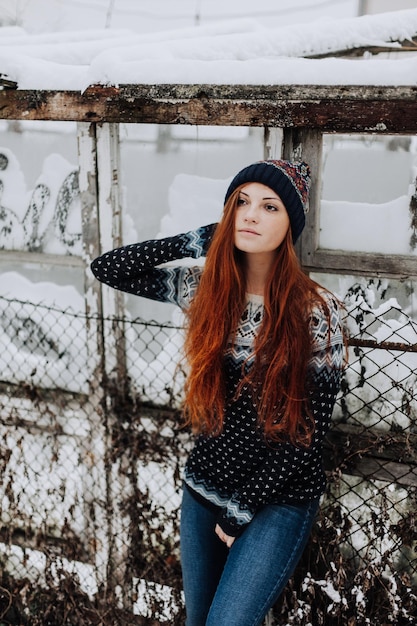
(257,271)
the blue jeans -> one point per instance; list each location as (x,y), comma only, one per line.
(237,587)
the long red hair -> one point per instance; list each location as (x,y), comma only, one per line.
(282,348)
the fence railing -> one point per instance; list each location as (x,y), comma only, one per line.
(90,483)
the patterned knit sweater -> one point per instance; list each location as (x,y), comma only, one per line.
(238,471)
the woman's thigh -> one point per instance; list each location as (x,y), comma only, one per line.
(203,556)
(259,564)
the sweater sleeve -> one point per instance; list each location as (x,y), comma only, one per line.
(134,268)
(290,473)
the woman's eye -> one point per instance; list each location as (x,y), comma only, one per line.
(241,201)
(271,207)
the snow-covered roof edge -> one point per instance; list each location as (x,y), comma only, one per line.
(241,52)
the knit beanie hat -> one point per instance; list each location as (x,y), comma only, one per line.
(291,181)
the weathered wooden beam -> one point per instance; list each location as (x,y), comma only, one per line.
(349,440)
(407,45)
(372,454)
(327,108)
(40,259)
(357,263)
(387,471)
(6,83)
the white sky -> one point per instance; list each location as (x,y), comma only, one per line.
(155,15)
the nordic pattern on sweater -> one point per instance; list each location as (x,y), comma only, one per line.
(238,471)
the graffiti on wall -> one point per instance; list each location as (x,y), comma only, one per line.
(45,219)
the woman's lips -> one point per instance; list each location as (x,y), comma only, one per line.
(248,231)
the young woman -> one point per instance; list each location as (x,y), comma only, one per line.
(264,352)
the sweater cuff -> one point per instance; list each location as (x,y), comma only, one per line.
(232,525)
(198,241)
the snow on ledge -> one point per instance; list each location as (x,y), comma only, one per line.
(240,53)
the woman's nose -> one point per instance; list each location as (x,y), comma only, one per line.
(251,214)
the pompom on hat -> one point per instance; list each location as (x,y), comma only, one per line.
(290,181)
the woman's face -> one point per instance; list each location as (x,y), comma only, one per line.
(261,220)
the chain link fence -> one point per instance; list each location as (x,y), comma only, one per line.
(90,475)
